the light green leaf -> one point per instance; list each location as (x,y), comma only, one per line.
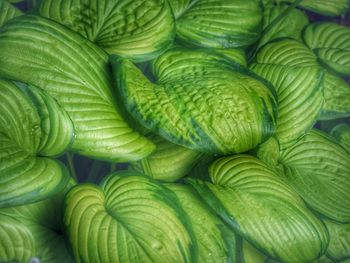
(136,219)
(216,242)
(200,101)
(336,92)
(7,11)
(293,71)
(250,254)
(319,170)
(263,209)
(234,54)
(289,26)
(179,6)
(339,242)
(75,72)
(26,175)
(138,29)
(169,163)
(341,133)
(220,24)
(331,44)
(327,8)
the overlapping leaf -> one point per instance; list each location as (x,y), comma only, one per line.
(297,79)
(216,242)
(7,11)
(250,254)
(135,218)
(331,44)
(336,93)
(136,29)
(31,124)
(200,100)
(328,8)
(169,163)
(319,170)
(75,72)
(341,133)
(219,24)
(256,203)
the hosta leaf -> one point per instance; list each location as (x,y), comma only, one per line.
(331,44)
(33,230)
(319,170)
(7,11)
(342,134)
(220,23)
(250,254)
(24,176)
(179,6)
(289,26)
(138,29)
(199,102)
(216,242)
(327,8)
(75,72)
(293,71)
(170,161)
(336,92)
(339,241)
(129,218)
(234,54)
(263,209)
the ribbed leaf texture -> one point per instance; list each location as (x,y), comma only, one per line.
(293,71)
(200,100)
(263,209)
(26,137)
(75,72)
(327,8)
(319,170)
(331,44)
(216,242)
(219,24)
(341,133)
(129,218)
(7,11)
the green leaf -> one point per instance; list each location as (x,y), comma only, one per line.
(339,242)
(216,242)
(169,162)
(250,254)
(293,71)
(341,133)
(220,24)
(26,175)
(327,8)
(33,230)
(75,72)
(336,92)
(179,6)
(199,100)
(135,218)
(138,29)
(318,169)
(331,44)
(7,11)
(290,25)
(234,54)
(263,209)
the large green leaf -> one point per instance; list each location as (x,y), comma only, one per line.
(262,208)
(75,72)
(34,230)
(336,93)
(7,11)
(216,242)
(31,127)
(339,241)
(327,8)
(319,170)
(136,29)
(129,218)
(341,133)
(220,24)
(290,25)
(169,162)
(200,100)
(331,44)
(297,79)
(179,6)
